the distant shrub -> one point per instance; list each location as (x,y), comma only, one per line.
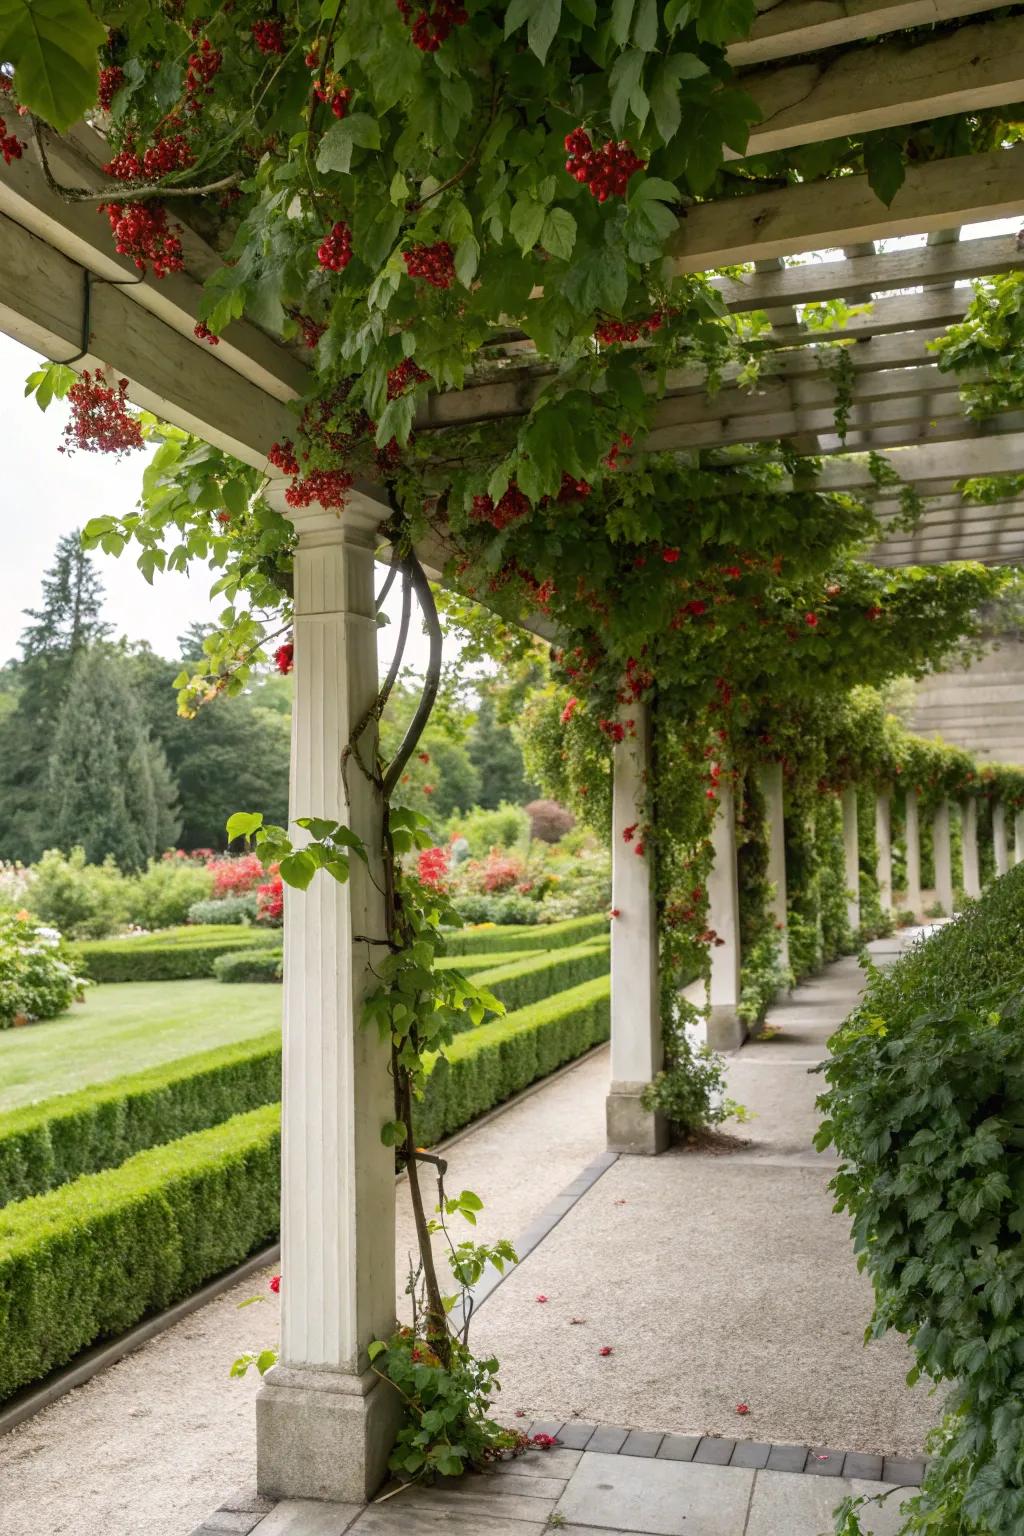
(498,909)
(250,965)
(165,893)
(15,886)
(507,827)
(232,909)
(84,901)
(37,977)
(549,821)
(234,876)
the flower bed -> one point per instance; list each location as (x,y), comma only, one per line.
(38,977)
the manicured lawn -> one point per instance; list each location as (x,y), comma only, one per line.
(124,1027)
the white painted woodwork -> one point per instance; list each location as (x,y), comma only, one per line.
(1018,838)
(883,849)
(636,1052)
(815,215)
(898,81)
(1002,852)
(774,808)
(723,903)
(851,857)
(912,894)
(943,858)
(788,27)
(969,834)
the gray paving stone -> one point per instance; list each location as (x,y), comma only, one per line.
(607,1438)
(576,1434)
(662,1498)
(863,1465)
(784,1505)
(678,1447)
(750,1453)
(308,1517)
(384,1520)
(904,1471)
(714,1452)
(241,1522)
(559,1462)
(509,1498)
(550,1427)
(641,1442)
(787,1458)
(249,1501)
(824,1461)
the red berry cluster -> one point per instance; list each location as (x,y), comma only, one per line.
(100,420)
(284,660)
(166,155)
(335,251)
(268,35)
(111,81)
(405,376)
(606,171)
(611,458)
(512,506)
(326,486)
(434,25)
(573,490)
(202,332)
(202,67)
(282,456)
(311,329)
(612,332)
(141,231)
(434,263)
(332,91)
(11,146)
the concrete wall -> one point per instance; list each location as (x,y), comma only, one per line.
(980,708)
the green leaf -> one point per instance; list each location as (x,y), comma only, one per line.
(665,102)
(317,825)
(558,236)
(518,12)
(298,869)
(467,259)
(243,824)
(645,26)
(622,16)
(392,1133)
(335,152)
(53,47)
(236,497)
(526,223)
(265,1359)
(376,1347)
(626,90)
(583,10)
(886,168)
(677,14)
(543,26)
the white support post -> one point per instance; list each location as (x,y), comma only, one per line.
(972,867)
(912,895)
(943,856)
(636,1046)
(325,1422)
(726,1030)
(883,849)
(851,857)
(999,838)
(1018,838)
(774,809)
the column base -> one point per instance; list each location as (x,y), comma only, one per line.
(322,1434)
(631,1128)
(726,1030)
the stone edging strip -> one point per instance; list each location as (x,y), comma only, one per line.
(817,1461)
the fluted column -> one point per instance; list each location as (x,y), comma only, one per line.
(1002,852)
(972,867)
(883,848)
(851,857)
(774,809)
(912,895)
(325,1422)
(1018,838)
(636,1045)
(943,858)
(726,1030)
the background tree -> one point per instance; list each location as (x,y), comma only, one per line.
(496,754)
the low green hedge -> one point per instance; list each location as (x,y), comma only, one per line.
(175,954)
(250,965)
(471,941)
(525,981)
(88,1261)
(50,1143)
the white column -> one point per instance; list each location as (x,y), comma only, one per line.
(636,1047)
(999,837)
(325,1422)
(726,1030)
(772,789)
(883,847)
(912,895)
(943,854)
(1018,838)
(969,842)
(851,858)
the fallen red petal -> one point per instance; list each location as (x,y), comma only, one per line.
(606,1349)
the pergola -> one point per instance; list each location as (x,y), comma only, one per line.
(819,69)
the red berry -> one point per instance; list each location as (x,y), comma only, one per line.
(141,231)
(268,35)
(202,332)
(433,25)
(607,170)
(405,376)
(100,420)
(284,660)
(282,456)
(434,263)
(335,252)
(111,81)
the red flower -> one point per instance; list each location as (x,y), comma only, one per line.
(628,833)
(615,912)
(811,620)
(639,850)
(606,1349)
(874,612)
(543,1442)
(742,1408)
(542,1298)
(670,556)
(284,658)
(695,608)
(569,710)
(275,1283)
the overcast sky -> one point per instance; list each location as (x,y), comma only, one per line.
(46,494)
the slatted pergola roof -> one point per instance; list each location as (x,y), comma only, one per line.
(819,69)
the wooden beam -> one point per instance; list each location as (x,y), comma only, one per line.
(899,81)
(899,314)
(945,427)
(934,465)
(789,27)
(817,215)
(857,278)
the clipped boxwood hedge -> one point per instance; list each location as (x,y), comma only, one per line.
(526,981)
(50,1143)
(88,1261)
(174,954)
(250,965)
(494,940)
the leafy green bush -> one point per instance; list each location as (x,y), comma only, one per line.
(91,1259)
(925,1107)
(37,977)
(175,955)
(250,965)
(85,901)
(512,910)
(507,827)
(50,1143)
(229,909)
(465,941)
(166,891)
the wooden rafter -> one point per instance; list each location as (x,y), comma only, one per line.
(786,28)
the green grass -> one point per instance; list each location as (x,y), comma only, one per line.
(125,1027)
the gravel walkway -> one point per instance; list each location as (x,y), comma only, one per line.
(715,1278)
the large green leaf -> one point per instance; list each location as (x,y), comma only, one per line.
(52,45)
